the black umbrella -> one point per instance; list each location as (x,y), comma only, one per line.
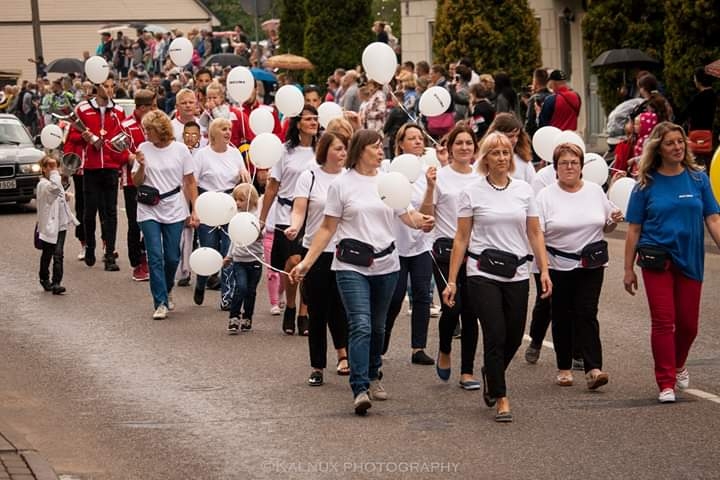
(623,58)
(226,60)
(66,65)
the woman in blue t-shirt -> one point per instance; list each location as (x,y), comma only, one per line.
(665,216)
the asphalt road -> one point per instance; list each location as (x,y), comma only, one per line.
(104,392)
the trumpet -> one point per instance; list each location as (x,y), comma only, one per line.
(70,163)
(120,142)
(75,121)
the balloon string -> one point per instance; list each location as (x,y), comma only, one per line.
(413,119)
(262,262)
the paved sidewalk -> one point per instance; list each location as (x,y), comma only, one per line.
(18,460)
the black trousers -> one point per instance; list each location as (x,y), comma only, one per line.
(54,252)
(135,245)
(79,207)
(320,293)
(501,308)
(449,317)
(575,305)
(541,315)
(101,189)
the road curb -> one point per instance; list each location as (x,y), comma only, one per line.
(13,442)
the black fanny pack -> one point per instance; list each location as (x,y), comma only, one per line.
(499,262)
(593,255)
(653,258)
(148,195)
(359,253)
(442,249)
(285,201)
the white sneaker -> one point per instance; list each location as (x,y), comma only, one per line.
(275,310)
(171,303)
(377,391)
(160,313)
(435,311)
(81,255)
(667,396)
(682,379)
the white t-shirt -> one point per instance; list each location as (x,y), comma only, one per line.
(164,170)
(218,172)
(354,199)
(316,201)
(499,222)
(178,131)
(286,172)
(524,171)
(411,241)
(572,220)
(544,177)
(448,186)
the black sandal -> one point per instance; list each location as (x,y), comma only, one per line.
(303,325)
(315,379)
(288,324)
(344,371)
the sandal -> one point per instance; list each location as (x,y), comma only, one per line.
(564,379)
(504,417)
(344,371)
(288,323)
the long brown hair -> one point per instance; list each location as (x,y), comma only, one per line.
(508,123)
(360,140)
(651,160)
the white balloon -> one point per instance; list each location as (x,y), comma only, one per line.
(544,142)
(240,83)
(266,150)
(407,164)
(97,69)
(434,101)
(262,121)
(395,190)
(380,62)
(244,228)
(329,111)
(430,158)
(568,136)
(51,136)
(205,261)
(215,208)
(595,170)
(289,100)
(181,50)
(619,193)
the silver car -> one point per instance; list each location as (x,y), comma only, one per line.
(19,168)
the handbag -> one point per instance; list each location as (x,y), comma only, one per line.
(355,252)
(700,142)
(499,262)
(653,258)
(442,249)
(441,124)
(148,195)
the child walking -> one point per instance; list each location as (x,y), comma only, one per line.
(54,218)
(246,268)
(188,240)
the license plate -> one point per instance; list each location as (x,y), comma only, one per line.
(7,184)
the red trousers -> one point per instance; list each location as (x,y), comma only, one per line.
(674,301)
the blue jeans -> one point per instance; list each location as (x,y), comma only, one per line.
(246,276)
(366,300)
(217,238)
(162,244)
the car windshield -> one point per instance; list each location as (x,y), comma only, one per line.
(13,133)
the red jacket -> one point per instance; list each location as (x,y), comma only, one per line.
(105,127)
(561,109)
(132,127)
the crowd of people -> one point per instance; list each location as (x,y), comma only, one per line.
(337,256)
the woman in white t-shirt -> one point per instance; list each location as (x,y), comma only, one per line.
(165,165)
(366,263)
(319,289)
(451,180)
(497,218)
(574,215)
(299,156)
(220,167)
(508,124)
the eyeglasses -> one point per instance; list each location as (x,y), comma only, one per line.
(188,134)
(569,163)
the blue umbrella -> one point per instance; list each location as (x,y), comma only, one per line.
(263,75)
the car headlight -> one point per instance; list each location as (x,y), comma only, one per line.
(29,168)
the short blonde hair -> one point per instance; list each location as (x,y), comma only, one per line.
(215,127)
(159,122)
(215,87)
(490,141)
(247,191)
(183,92)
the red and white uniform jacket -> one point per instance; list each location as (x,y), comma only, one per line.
(132,127)
(105,126)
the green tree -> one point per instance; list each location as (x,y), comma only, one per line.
(496,35)
(611,24)
(336,33)
(292,26)
(692,39)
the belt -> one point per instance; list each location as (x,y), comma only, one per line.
(560,253)
(285,201)
(521,260)
(387,251)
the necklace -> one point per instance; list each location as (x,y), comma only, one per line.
(495,187)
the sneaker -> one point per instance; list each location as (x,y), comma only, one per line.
(532,354)
(233,326)
(161,313)
(198,296)
(171,303)
(377,391)
(58,289)
(421,358)
(578,364)
(435,311)
(362,403)
(275,310)
(213,282)
(89,256)
(81,255)
(47,286)
(184,282)
(110,264)
(140,273)
(667,396)
(682,379)
(246,324)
